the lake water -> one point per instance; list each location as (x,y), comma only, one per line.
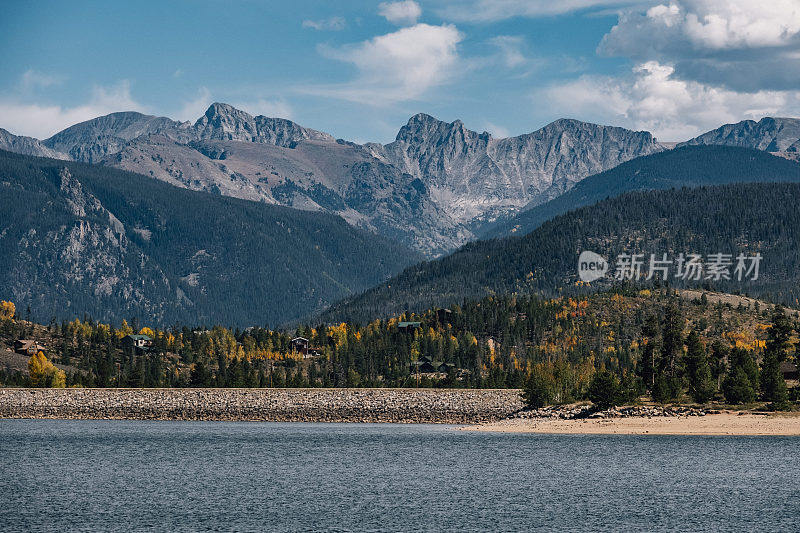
(188,476)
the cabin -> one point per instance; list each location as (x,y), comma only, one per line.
(300,345)
(408,327)
(138,342)
(28,347)
(789,371)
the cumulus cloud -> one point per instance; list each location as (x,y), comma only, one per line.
(495,10)
(702,26)
(741,44)
(42,120)
(654,99)
(398,66)
(329,24)
(401,13)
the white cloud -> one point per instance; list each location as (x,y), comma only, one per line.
(498,132)
(494,10)
(654,99)
(33,79)
(706,25)
(739,44)
(404,13)
(196,107)
(398,66)
(510,50)
(329,24)
(42,121)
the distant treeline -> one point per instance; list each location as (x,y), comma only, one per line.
(650,340)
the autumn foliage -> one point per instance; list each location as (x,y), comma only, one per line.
(44,374)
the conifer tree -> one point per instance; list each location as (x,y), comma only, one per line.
(701,384)
(773,387)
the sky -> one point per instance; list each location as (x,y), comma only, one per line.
(360,69)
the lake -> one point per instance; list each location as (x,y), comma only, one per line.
(222,476)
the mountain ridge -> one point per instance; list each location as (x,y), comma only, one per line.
(686,166)
(81,238)
(735,218)
(447,180)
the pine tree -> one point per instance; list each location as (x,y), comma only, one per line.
(773,387)
(604,390)
(741,382)
(701,383)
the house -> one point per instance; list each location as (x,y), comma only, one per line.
(139,342)
(408,327)
(300,345)
(28,347)
(789,371)
(443,315)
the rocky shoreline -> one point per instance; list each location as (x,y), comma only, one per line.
(437,406)
(570,412)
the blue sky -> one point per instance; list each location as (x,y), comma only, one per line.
(360,69)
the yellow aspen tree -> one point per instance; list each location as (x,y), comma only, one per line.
(7,310)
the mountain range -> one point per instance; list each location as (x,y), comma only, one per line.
(431,189)
(248,180)
(78,238)
(436,187)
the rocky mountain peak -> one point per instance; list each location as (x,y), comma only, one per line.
(219,113)
(771,134)
(225,122)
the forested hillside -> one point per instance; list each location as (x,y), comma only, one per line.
(558,345)
(77,238)
(730,219)
(690,166)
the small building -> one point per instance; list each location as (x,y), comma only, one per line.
(300,345)
(408,327)
(139,342)
(28,347)
(789,371)
(313,351)
(443,315)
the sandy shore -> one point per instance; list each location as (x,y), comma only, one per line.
(726,423)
